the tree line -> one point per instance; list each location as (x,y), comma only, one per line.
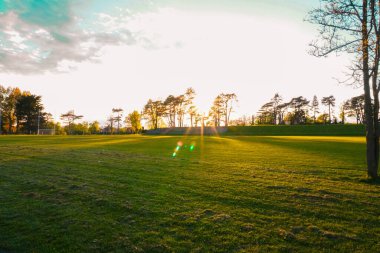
(172,111)
(23,113)
(114,123)
(300,110)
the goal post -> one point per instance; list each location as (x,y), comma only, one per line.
(46,131)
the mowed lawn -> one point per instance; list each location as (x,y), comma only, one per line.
(228,194)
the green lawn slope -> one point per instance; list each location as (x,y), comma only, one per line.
(299,130)
(266,130)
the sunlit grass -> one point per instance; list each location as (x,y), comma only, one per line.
(117,193)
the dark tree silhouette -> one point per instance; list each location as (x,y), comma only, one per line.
(299,105)
(189,100)
(265,114)
(354,107)
(271,112)
(117,118)
(170,105)
(330,102)
(216,111)
(28,110)
(3,94)
(353,27)
(153,111)
(228,100)
(70,117)
(315,107)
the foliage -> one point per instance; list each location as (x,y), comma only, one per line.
(299,106)
(133,120)
(176,107)
(227,100)
(20,112)
(118,117)
(323,118)
(216,111)
(77,128)
(354,107)
(9,107)
(153,112)
(28,113)
(243,121)
(315,107)
(330,102)
(94,127)
(222,108)
(274,112)
(170,104)
(70,117)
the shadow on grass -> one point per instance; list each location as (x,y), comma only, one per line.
(332,149)
(371,181)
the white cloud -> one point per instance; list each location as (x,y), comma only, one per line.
(30,48)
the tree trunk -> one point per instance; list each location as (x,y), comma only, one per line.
(369,117)
(329,114)
(17,125)
(10,123)
(375,90)
(226,116)
(376,119)
(1,122)
(370,137)
(155,122)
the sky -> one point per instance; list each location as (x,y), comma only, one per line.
(95,55)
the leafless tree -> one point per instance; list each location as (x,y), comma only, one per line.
(353,27)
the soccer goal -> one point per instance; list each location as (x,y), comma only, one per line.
(47,131)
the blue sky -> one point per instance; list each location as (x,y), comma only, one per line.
(95,55)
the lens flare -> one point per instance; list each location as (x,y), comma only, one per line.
(183,147)
(192,146)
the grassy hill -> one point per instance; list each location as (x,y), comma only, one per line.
(300,130)
(267,130)
(157,194)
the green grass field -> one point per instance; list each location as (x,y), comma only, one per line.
(229,194)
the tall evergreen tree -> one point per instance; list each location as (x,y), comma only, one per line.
(28,110)
(315,108)
(330,102)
